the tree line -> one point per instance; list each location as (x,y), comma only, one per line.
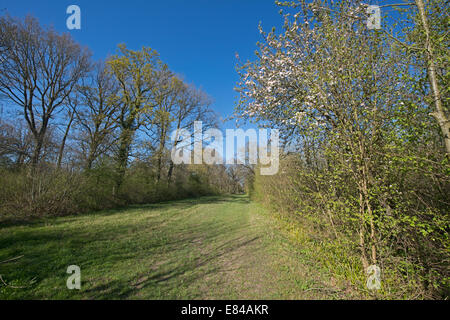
(78,134)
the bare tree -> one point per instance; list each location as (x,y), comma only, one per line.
(39,70)
(72,103)
(97,114)
(15,142)
(192,105)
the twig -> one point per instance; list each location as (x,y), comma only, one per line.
(16,287)
(324,289)
(397,5)
(12,259)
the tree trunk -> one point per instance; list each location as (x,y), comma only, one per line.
(90,160)
(362,231)
(162,144)
(39,139)
(171,166)
(63,143)
(169,172)
(439,113)
(122,157)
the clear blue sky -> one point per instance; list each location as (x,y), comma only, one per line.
(198,39)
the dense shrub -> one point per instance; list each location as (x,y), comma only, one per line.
(411,220)
(26,194)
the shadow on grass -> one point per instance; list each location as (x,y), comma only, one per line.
(165,205)
(188,251)
(169,282)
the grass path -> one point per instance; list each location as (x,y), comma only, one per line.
(208,248)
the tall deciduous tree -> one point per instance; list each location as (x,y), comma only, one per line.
(424,41)
(178,106)
(136,74)
(39,70)
(97,114)
(432,39)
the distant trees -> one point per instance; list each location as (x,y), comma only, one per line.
(193,105)
(179,107)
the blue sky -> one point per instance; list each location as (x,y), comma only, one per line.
(198,39)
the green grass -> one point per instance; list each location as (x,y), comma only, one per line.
(207,248)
